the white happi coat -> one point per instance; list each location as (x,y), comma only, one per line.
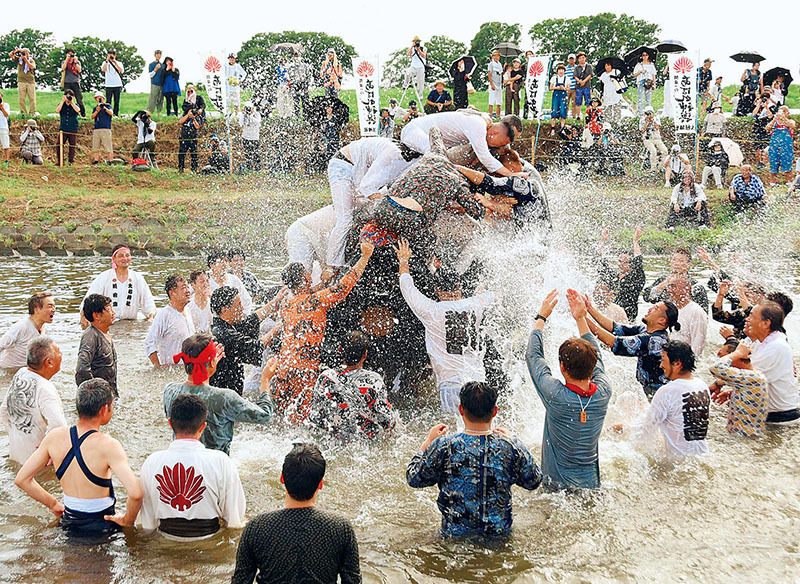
(141,299)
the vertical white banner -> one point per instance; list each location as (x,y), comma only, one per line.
(536,84)
(367,94)
(683,87)
(215,84)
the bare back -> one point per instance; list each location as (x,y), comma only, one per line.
(97,450)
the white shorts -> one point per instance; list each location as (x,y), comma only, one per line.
(496,96)
(4,142)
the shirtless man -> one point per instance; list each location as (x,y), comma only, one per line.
(85,458)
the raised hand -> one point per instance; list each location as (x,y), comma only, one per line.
(549,303)
(367,247)
(403,250)
(577,305)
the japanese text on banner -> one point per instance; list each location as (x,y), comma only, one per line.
(214,84)
(536,84)
(682,79)
(367,94)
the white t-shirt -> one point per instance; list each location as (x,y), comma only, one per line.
(140,139)
(416,62)
(694,327)
(496,71)
(234,75)
(14,344)
(167,333)
(128,297)
(376,163)
(30,410)
(457,128)
(684,197)
(610,95)
(4,119)
(113,79)
(201,317)
(251,126)
(215,491)
(773,357)
(452,333)
(231,280)
(649,71)
(680,410)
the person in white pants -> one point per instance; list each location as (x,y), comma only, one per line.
(355,173)
(650,129)
(416,71)
(307,238)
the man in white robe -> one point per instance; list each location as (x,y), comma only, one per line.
(199,306)
(220,276)
(172,325)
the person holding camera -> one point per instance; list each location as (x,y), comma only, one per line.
(68,110)
(113,70)
(5,141)
(645,74)
(71,77)
(146,137)
(218,158)
(415,76)
(194,116)
(155,71)
(172,86)
(251,137)
(650,129)
(412,113)
(331,73)
(101,136)
(763,112)
(31,143)
(26,83)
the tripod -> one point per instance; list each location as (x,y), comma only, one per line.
(409,82)
(145,154)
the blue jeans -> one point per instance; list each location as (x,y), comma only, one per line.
(559,105)
(644,96)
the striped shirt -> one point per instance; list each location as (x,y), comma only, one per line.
(571,76)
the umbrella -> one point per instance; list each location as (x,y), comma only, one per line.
(670,46)
(469,66)
(294,47)
(747,57)
(732,149)
(315,114)
(774,73)
(634,56)
(616,63)
(507,49)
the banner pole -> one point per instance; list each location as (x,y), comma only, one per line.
(539,119)
(60,148)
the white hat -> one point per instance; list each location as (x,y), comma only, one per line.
(676,147)
(98,94)
(571,56)
(649,109)
(606,126)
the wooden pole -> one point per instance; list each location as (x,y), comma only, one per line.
(60,148)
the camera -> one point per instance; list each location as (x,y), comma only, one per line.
(195,111)
(18,54)
(417,43)
(68,97)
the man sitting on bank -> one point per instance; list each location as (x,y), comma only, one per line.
(189,488)
(88,507)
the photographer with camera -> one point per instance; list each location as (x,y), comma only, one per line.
(650,129)
(26,83)
(68,110)
(101,136)
(5,141)
(218,159)
(71,78)
(194,116)
(146,138)
(412,113)
(31,141)
(416,70)
(113,70)
(251,137)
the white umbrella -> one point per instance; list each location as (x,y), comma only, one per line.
(732,149)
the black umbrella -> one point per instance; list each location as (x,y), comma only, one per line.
(507,49)
(634,56)
(315,114)
(616,63)
(747,57)
(294,47)
(776,72)
(469,66)
(671,46)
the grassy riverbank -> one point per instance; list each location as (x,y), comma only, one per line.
(79,210)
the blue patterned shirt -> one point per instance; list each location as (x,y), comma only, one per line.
(635,341)
(474,474)
(748,191)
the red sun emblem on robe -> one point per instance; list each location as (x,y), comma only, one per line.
(365,69)
(212,65)
(683,65)
(536,69)
(179,487)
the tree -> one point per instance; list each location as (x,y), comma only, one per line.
(38,42)
(490,35)
(260,61)
(600,35)
(91,52)
(442,51)
(393,71)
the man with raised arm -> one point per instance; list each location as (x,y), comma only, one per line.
(576,409)
(85,459)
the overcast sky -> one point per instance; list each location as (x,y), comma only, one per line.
(189,32)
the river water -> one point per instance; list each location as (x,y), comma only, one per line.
(731,516)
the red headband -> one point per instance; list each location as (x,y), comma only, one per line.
(200,363)
(113,263)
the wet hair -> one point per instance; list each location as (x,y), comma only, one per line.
(478,399)
(683,251)
(92,395)
(215,255)
(94,304)
(510,158)
(772,312)
(680,351)
(116,247)
(672,316)
(579,357)
(354,346)
(187,413)
(730,345)
(236,251)
(40,349)
(37,301)
(194,275)
(293,275)
(172,282)
(781,300)
(303,469)
(513,126)
(223,297)
(193,346)
(446,280)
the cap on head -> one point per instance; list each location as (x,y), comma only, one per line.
(595,100)
(32,124)
(676,147)
(571,56)
(231,56)
(495,52)
(98,94)
(649,109)
(708,60)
